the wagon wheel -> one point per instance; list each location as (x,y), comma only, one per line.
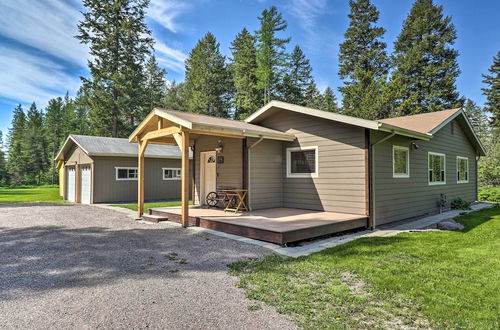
(212,199)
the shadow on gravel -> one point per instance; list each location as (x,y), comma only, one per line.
(43,258)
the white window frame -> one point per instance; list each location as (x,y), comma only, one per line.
(401,175)
(458,169)
(172,169)
(289,173)
(126,168)
(428,168)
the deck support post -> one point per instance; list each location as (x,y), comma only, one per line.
(185,178)
(140,178)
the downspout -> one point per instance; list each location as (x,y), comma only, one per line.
(478,157)
(250,147)
(372,156)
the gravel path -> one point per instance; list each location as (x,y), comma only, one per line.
(76,266)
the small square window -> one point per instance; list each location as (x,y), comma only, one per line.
(400,162)
(126,173)
(171,173)
(302,162)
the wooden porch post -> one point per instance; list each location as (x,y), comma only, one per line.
(140,180)
(185,178)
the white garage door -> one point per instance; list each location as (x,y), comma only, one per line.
(85,184)
(71,184)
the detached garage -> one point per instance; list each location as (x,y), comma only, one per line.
(97,169)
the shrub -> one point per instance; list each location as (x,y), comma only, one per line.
(459,204)
(489,194)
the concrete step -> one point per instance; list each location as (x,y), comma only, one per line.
(154,218)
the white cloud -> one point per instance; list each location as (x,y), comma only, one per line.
(170,58)
(307,11)
(27,78)
(48,25)
(165,12)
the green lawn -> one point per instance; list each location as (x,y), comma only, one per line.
(419,280)
(30,194)
(148,206)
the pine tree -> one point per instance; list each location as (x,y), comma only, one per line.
(119,43)
(312,95)
(477,118)
(35,152)
(208,82)
(327,101)
(155,86)
(78,113)
(55,127)
(492,92)
(271,56)
(425,64)
(363,63)
(15,161)
(297,79)
(244,74)
(175,97)
(4,175)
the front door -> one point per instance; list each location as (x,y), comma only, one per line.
(208,182)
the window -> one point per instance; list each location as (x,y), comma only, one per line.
(302,162)
(462,169)
(171,173)
(437,168)
(400,162)
(126,173)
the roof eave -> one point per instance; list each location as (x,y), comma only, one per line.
(402,131)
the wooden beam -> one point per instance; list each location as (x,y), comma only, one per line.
(178,139)
(216,132)
(161,132)
(185,178)
(140,179)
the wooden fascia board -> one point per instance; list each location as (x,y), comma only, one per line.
(405,132)
(135,134)
(158,133)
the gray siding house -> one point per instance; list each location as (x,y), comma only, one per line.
(104,170)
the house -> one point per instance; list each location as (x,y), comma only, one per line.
(297,158)
(95,169)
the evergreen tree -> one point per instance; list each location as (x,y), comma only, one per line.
(55,127)
(155,86)
(15,161)
(425,64)
(78,113)
(271,56)
(244,74)
(327,101)
(478,119)
(492,92)
(35,152)
(4,175)
(208,82)
(175,97)
(119,42)
(363,63)
(297,79)
(312,95)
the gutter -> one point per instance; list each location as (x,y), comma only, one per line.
(373,218)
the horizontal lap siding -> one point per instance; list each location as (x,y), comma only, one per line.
(341,183)
(230,173)
(107,189)
(401,198)
(265,174)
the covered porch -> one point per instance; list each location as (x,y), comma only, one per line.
(275,225)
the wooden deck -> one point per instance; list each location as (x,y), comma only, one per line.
(278,225)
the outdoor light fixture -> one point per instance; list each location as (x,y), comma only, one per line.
(219,148)
(414,146)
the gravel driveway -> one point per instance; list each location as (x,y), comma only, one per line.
(76,266)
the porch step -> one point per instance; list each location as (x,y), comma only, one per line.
(154,218)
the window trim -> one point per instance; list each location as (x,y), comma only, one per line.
(458,169)
(401,175)
(173,169)
(289,173)
(428,168)
(126,168)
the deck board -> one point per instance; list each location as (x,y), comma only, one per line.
(277,225)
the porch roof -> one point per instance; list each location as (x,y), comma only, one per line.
(203,124)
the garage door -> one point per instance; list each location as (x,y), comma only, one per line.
(71,183)
(85,184)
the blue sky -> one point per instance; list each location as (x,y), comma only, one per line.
(40,59)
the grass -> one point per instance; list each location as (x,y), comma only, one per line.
(489,194)
(436,279)
(148,206)
(30,194)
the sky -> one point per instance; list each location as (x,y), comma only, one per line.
(40,58)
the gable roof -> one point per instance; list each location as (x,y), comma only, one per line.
(116,147)
(423,122)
